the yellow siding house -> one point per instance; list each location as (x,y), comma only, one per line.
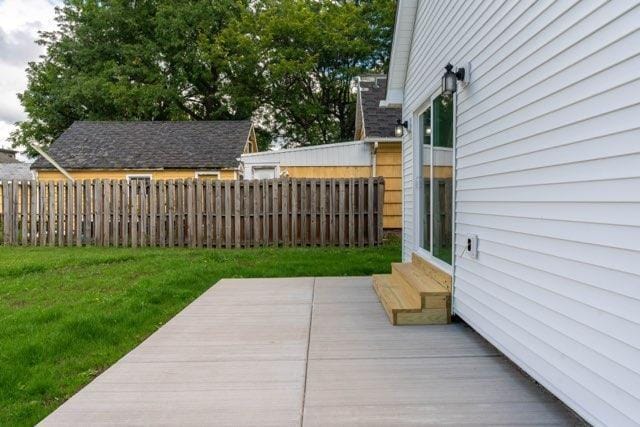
(148,150)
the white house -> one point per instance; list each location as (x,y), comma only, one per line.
(544,135)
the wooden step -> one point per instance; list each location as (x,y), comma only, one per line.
(403,304)
(431,270)
(395,296)
(422,283)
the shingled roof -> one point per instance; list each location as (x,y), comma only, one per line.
(372,121)
(149,145)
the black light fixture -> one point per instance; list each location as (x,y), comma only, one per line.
(450,80)
(400,127)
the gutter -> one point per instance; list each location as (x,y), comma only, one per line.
(50,160)
(382,139)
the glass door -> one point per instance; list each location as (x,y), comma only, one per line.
(425,179)
(436,179)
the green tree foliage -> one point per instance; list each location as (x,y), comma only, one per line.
(287,63)
(311,51)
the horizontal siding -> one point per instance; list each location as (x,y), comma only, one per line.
(327,171)
(356,153)
(389,165)
(548,177)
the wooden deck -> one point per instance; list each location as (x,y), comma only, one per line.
(308,351)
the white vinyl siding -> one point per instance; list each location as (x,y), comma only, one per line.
(357,153)
(548,177)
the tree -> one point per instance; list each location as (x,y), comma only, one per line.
(311,50)
(142,60)
(289,64)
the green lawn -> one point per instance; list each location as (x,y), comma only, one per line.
(66,314)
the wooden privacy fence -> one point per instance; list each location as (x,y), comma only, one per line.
(194,213)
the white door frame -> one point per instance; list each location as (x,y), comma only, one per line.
(417,182)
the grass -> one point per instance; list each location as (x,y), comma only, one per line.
(66,314)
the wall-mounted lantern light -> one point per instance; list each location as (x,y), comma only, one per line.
(450,80)
(400,127)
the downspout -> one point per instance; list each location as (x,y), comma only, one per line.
(50,160)
(374,162)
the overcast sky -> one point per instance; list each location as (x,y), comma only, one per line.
(20,21)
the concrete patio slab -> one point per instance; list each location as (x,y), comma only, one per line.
(307,351)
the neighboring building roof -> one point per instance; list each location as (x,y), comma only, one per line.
(149,145)
(373,121)
(8,156)
(15,172)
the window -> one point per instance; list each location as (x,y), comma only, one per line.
(210,175)
(139,178)
(436,180)
(264,172)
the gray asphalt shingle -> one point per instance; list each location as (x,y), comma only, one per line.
(149,145)
(378,122)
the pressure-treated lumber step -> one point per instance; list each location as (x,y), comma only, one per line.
(405,306)
(395,296)
(432,271)
(422,283)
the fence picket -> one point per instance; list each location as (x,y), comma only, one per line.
(313,213)
(15,212)
(370,215)
(33,212)
(208,206)
(171,212)
(256,213)
(323,212)
(198,200)
(332,212)
(6,215)
(24,211)
(51,235)
(236,212)
(341,212)
(42,223)
(69,218)
(303,212)
(265,212)
(218,214)
(294,212)
(275,212)
(162,204)
(351,211)
(190,235)
(227,214)
(285,212)
(360,211)
(379,205)
(246,189)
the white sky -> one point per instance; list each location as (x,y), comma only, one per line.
(20,21)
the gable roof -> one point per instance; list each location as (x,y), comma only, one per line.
(149,145)
(372,120)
